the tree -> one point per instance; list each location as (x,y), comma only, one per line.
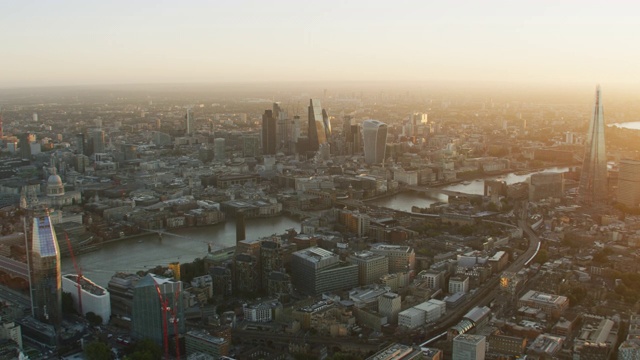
(93,318)
(97,351)
(542,257)
(146,350)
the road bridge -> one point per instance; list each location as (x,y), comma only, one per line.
(14,268)
(300,214)
(428,190)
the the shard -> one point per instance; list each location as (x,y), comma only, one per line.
(593,180)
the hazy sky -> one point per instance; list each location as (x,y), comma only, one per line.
(107,42)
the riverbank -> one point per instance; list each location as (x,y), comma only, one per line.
(143,251)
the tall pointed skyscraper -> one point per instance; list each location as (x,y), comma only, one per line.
(319,125)
(593,181)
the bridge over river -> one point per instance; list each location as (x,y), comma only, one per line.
(431,190)
(14,268)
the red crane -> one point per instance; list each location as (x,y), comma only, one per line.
(79,276)
(174,319)
(173,311)
(164,307)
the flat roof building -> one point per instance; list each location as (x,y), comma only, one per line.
(315,270)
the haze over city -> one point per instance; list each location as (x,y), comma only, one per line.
(336,180)
(88,43)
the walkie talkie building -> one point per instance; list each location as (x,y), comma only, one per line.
(374,133)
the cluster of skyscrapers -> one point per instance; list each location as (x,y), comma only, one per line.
(281,133)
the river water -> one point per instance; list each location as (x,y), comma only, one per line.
(634,125)
(146,252)
(404,201)
(131,255)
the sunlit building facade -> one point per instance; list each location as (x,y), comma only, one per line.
(629,183)
(593,181)
(319,125)
(44,271)
(374,133)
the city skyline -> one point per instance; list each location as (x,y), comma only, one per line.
(76,43)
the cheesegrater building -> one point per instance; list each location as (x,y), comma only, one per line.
(319,125)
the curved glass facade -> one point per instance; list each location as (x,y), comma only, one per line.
(374,133)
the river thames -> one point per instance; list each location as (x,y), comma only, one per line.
(633,125)
(143,253)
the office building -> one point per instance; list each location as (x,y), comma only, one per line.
(315,271)
(411,318)
(319,125)
(389,305)
(397,351)
(402,258)
(370,266)
(433,278)
(268,133)
(469,347)
(374,133)
(629,349)
(44,270)
(80,144)
(95,298)
(546,185)
(147,312)
(247,273)
(96,141)
(250,145)
(433,310)
(24,144)
(274,256)
(629,183)
(593,180)
(550,304)
(459,284)
(120,289)
(219,149)
(190,122)
(200,341)
(283,127)
(11,331)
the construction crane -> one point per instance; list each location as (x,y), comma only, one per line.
(164,307)
(79,276)
(174,319)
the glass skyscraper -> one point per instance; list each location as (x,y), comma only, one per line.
(147,312)
(593,180)
(374,133)
(319,125)
(44,270)
(268,133)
